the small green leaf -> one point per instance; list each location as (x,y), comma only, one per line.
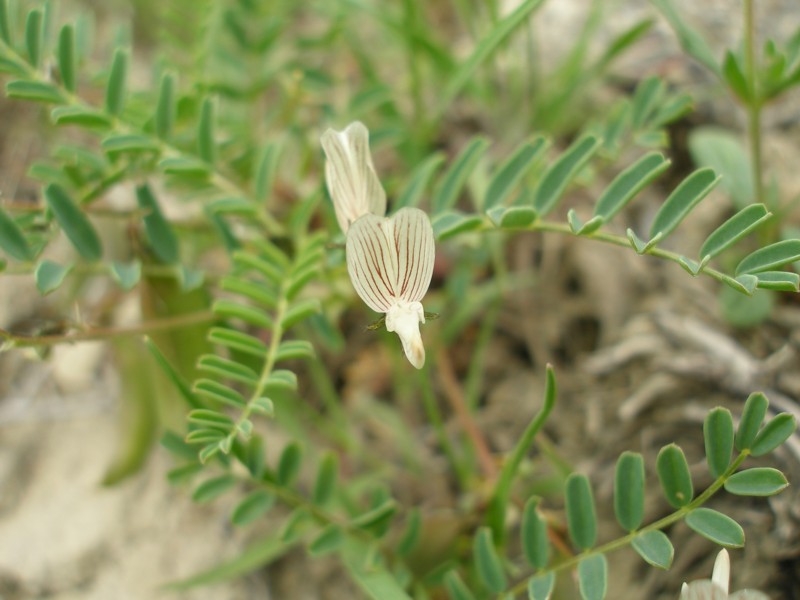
(488,563)
(775,432)
(733,74)
(511,172)
(593,577)
(213,390)
(770,257)
(268,268)
(779,281)
(131,143)
(33,37)
(456,588)
(249,314)
(183,474)
(655,548)
(226,368)
(418,181)
(376,518)
(252,507)
(453,180)
(452,222)
(83,116)
(629,490)
(762,481)
(294,349)
(236,340)
(74,223)
(5,33)
(541,586)
(116,89)
(258,292)
(300,311)
(281,380)
(67,62)
(212,488)
(682,200)
(673,473)
(289,464)
(581,516)
(204,417)
(184,167)
(718,436)
(533,532)
(205,132)
(715,526)
(263,405)
(157,229)
(629,183)
(165,106)
(12,240)
(748,283)
(328,540)
(325,482)
(50,275)
(205,436)
(266,170)
(690,40)
(209,452)
(411,532)
(734,229)
(36,91)
(645,100)
(512,217)
(755,409)
(561,172)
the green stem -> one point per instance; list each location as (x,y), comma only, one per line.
(655,526)
(754,104)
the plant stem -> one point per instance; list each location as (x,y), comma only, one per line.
(754,104)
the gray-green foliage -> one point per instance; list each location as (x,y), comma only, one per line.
(227,134)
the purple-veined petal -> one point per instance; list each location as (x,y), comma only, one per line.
(352,182)
(372,261)
(413,239)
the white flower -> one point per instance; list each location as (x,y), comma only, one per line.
(352,182)
(717,587)
(390,261)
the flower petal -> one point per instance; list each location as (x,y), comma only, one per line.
(372,261)
(404,319)
(704,589)
(721,574)
(352,182)
(413,241)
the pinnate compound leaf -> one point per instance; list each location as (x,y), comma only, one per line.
(541,586)
(35,91)
(655,548)
(116,89)
(715,526)
(755,409)
(775,432)
(561,172)
(581,515)
(682,200)
(718,436)
(770,257)
(629,183)
(629,490)
(50,275)
(74,223)
(252,507)
(488,563)
(593,577)
(734,229)
(533,532)
(456,588)
(761,481)
(212,488)
(12,240)
(511,172)
(673,473)
(453,180)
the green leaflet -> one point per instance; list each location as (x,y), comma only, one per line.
(533,532)
(718,436)
(593,577)
(165,106)
(734,229)
(628,183)
(453,180)
(67,61)
(561,172)
(74,223)
(12,240)
(511,172)
(252,507)
(487,562)
(715,526)
(770,257)
(763,481)
(116,89)
(157,229)
(673,473)
(629,490)
(755,409)
(655,548)
(682,200)
(581,515)
(50,275)
(418,181)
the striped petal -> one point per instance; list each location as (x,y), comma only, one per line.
(372,261)
(413,238)
(352,182)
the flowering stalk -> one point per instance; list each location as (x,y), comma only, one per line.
(389,259)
